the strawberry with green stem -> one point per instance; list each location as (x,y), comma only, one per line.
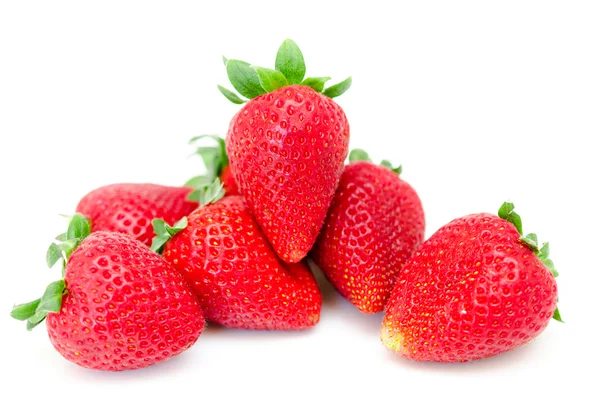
(476,288)
(234,272)
(286,147)
(374,224)
(118,306)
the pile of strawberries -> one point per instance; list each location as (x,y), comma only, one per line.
(145,265)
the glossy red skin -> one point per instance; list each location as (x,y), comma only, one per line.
(237,277)
(126,308)
(286,150)
(130,208)
(374,225)
(472,291)
(229,184)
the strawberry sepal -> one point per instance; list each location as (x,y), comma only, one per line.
(164,232)
(215,160)
(205,194)
(316,83)
(530,240)
(35,312)
(208,194)
(290,62)
(197,182)
(387,164)
(25,310)
(556,316)
(361,155)
(338,89)
(59,252)
(507,213)
(270,80)
(232,96)
(251,81)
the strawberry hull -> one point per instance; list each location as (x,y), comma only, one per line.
(374,225)
(473,290)
(286,150)
(124,307)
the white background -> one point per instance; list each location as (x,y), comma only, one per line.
(480,101)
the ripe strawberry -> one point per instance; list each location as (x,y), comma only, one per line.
(231,268)
(216,163)
(229,184)
(475,289)
(120,305)
(374,225)
(286,148)
(130,208)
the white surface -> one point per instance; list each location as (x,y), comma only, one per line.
(479,102)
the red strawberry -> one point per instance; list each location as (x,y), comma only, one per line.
(475,289)
(120,305)
(286,147)
(216,163)
(374,225)
(234,272)
(229,184)
(131,207)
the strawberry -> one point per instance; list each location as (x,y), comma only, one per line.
(120,306)
(286,148)
(216,163)
(130,207)
(229,183)
(374,225)
(232,269)
(475,289)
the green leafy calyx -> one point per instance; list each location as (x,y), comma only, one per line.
(164,232)
(290,62)
(507,213)
(316,83)
(232,96)
(59,251)
(338,89)
(387,164)
(215,160)
(361,155)
(244,78)
(270,80)
(557,316)
(208,194)
(251,81)
(35,312)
